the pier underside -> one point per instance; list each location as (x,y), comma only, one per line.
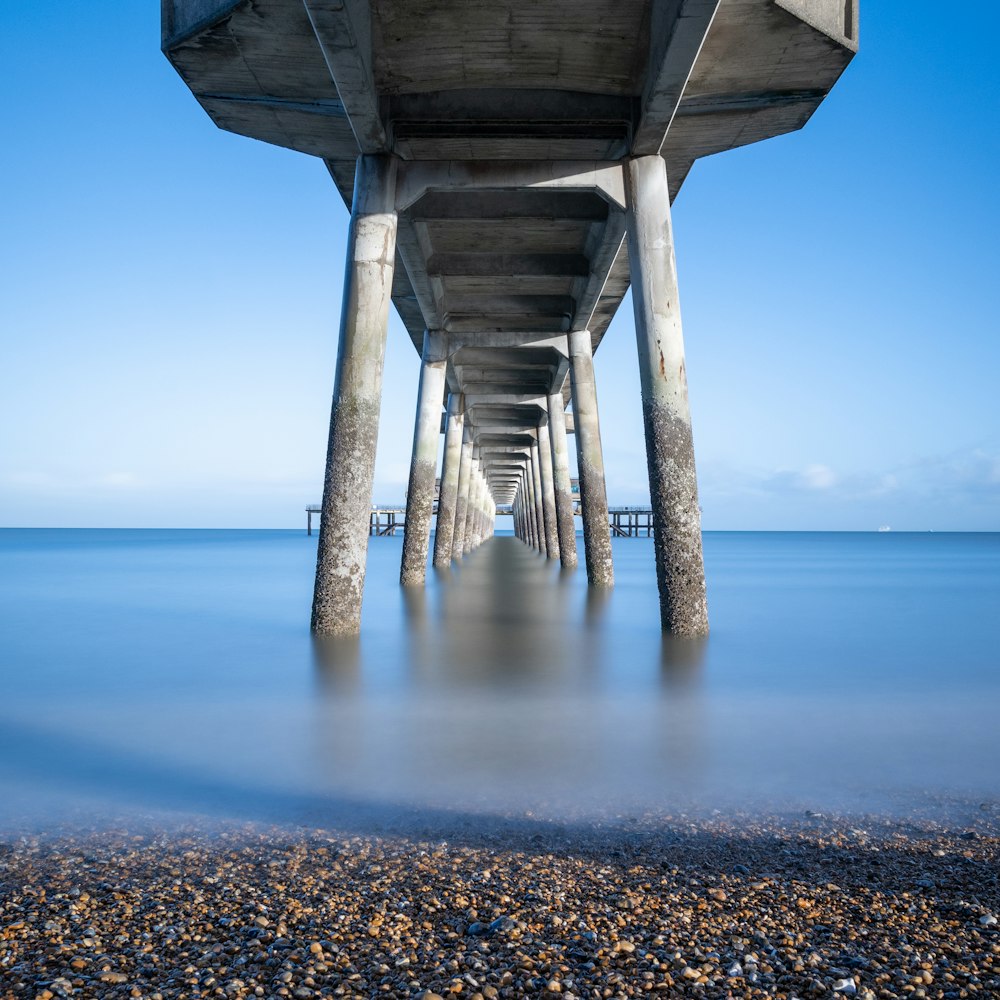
(510,169)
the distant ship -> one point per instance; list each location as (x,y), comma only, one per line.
(884,527)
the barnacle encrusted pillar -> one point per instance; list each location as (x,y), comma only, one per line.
(357,397)
(673,487)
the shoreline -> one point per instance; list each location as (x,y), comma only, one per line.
(707,905)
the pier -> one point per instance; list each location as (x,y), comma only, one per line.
(387,519)
(510,170)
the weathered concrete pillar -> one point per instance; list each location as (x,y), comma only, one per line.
(536,481)
(357,397)
(590,462)
(445,529)
(470,506)
(529,503)
(518,518)
(423,462)
(561,481)
(462,502)
(673,486)
(475,513)
(548,490)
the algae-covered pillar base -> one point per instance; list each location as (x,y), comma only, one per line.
(357,397)
(590,462)
(673,487)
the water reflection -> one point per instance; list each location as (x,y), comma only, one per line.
(184,677)
(510,692)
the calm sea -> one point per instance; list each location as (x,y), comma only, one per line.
(172,671)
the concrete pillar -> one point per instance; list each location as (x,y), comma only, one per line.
(590,462)
(673,486)
(529,505)
(462,501)
(536,492)
(561,480)
(357,397)
(449,481)
(548,490)
(423,462)
(470,506)
(475,514)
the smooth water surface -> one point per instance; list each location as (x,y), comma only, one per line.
(173,670)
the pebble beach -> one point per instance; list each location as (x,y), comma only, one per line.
(738,905)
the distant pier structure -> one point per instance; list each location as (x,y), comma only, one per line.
(510,169)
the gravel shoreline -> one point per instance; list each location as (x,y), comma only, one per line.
(809,906)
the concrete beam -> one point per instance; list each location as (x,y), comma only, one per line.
(344,31)
(422,176)
(677,33)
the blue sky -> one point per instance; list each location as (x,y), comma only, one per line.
(169,297)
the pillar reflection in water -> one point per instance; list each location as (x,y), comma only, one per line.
(517,688)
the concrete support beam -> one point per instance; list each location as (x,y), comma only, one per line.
(673,486)
(357,397)
(420,176)
(449,482)
(561,482)
(590,462)
(462,503)
(548,490)
(677,34)
(423,461)
(344,32)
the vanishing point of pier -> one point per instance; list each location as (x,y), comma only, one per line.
(510,168)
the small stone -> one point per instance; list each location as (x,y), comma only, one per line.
(316,948)
(846,986)
(502,924)
(624,946)
(262,922)
(734,970)
(987,920)
(113,977)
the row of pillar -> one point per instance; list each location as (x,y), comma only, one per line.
(543,505)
